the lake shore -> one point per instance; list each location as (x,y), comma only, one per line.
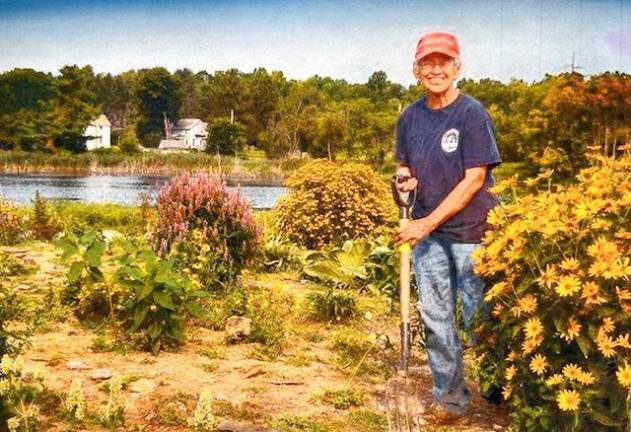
(244,171)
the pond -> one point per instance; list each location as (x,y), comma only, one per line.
(123,189)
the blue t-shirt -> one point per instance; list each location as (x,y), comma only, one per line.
(438,145)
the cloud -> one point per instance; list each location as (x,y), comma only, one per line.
(620,42)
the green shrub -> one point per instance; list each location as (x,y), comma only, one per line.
(344,398)
(559,264)
(332,202)
(334,305)
(43,223)
(83,217)
(13,223)
(10,265)
(199,215)
(269,311)
(157,299)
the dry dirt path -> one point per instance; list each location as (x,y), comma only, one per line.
(162,390)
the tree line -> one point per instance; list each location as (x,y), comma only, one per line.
(549,122)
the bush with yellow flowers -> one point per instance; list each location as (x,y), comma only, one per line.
(559,272)
(332,202)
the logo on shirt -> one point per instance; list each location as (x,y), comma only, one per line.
(449,141)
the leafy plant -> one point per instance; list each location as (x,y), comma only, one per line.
(332,202)
(10,265)
(559,266)
(344,398)
(158,297)
(43,224)
(334,305)
(13,223)
(269,311)
(19,391)
(343,267)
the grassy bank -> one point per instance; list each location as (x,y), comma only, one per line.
(245,169)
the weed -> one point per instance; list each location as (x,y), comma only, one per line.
(334,305)
(344,398)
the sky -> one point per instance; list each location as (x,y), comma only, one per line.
(500,39)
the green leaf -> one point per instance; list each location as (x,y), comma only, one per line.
(601,415)
(164,274)
(199,294)
(88,238)
(584,344)
(68,247)
(94,253)
(144,290)
(155,346)
(163,299)
(154,330)
(196,310)
(136,273)
(75,271)
(149,257)
(140,312)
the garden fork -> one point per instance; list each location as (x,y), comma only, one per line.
(402,402)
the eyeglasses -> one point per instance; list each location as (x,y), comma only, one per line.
(428,66)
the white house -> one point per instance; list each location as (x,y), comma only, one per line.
(98,131)
(186,134)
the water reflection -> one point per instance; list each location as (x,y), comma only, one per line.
(105,188)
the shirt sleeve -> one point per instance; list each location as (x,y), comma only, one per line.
(401,147)
(479,147)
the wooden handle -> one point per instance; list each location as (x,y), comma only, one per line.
(404,277)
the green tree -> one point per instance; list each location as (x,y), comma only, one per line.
(157,93)
(73,107)
(225,137)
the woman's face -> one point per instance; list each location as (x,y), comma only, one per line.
(437,72)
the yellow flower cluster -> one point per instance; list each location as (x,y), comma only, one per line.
(558,262)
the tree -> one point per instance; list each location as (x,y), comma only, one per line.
(225,137)
(157,93)
(73,107)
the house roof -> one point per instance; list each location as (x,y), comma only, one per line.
(187,123)
(101,121)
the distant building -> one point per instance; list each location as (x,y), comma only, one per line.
(98,133)
(186,134)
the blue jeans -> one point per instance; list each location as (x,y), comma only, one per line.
(443,270)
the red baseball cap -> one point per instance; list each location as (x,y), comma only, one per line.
(441,42)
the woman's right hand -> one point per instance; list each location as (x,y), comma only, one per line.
(405,181)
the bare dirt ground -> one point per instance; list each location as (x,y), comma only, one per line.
(162,390)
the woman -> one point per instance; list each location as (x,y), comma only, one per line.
(446,149)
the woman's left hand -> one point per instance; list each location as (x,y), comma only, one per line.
(414,231)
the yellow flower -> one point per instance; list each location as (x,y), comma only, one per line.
(606,345)
(510,372)
(506,392)
(570,264)
(586,378)
(572,371)
(548,276)
(568,285)
(555,379)
(538,364)
(573,330)
(624,376)
(591,294)
(497,289)
(608,325)
(568,400)
(497,310)
(623,341)
(530,344)
(533,328)
(511,356)
(528,303)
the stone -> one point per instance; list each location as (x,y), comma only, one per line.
(142,386)
(77,365)
(238,328)
(229,426)
(101,374)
